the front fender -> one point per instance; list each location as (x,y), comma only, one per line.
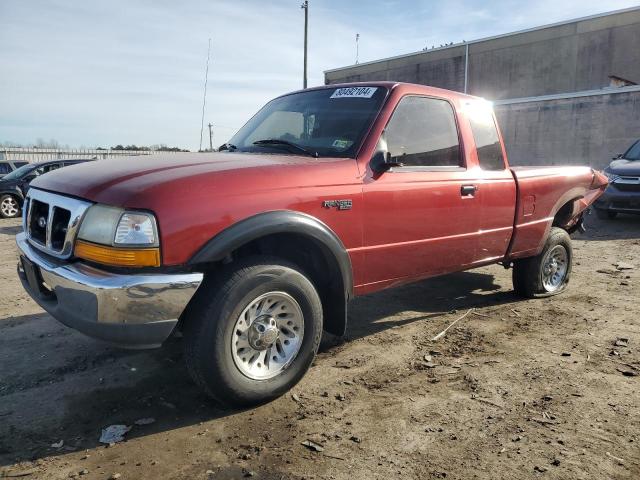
(279,221)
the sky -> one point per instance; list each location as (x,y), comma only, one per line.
(107,72)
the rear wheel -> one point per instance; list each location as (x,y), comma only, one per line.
(253,331)
(547,273)
(9,206)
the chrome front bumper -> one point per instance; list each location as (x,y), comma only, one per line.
(134,311)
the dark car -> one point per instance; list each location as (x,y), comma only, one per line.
(9,166)
(623,193)
(14,186)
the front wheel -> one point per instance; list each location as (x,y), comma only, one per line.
(253,331)
(9,206)
(547,273)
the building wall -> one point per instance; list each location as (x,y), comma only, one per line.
(562,58)
(574,56)
(442,68)
(567,58)
(579,131)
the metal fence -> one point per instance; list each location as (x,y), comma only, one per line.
(43,154)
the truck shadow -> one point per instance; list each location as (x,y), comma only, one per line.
(431,298)
(11,229)
(623,227)
(103,389)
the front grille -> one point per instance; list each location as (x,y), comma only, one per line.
(52,221)
(627,184)
(38,221)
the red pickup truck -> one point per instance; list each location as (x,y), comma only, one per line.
(324,194)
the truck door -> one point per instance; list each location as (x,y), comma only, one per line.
(496,185)
(420,218)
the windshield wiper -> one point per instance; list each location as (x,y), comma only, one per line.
(227,146)
(276,142)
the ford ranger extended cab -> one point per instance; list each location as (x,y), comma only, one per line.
(324,194)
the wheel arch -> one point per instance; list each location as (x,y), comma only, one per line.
(15,194)
(299,238)
(567,214)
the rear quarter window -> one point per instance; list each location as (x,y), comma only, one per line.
(485,135)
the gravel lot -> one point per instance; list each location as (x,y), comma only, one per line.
(517,389)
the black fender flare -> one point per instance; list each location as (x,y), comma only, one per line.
(285,221)
(278,221)
(14,192)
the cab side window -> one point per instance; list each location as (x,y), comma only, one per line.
(4,168)
(47,168)
(485,134)
(422,132)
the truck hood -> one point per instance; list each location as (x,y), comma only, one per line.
(133,181)
(625,167)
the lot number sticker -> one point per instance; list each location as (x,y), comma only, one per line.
(354,92)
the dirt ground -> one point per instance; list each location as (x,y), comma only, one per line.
(517,389)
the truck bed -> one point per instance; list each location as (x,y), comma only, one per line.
(547,196)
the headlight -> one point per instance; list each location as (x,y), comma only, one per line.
(136,229)
(114,236)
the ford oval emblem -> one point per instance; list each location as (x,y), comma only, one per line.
(42,222)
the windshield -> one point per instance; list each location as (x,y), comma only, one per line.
(634,152)
(327,122)
(18,172)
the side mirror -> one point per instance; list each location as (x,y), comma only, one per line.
(29,178)
(382,160)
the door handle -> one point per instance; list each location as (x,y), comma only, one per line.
(468,190)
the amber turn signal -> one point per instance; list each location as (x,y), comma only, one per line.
(119,257)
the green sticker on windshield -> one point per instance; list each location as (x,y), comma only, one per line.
(342,144)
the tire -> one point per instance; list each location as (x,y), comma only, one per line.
(221,309)
(541,276)
(9,206)
(605,214)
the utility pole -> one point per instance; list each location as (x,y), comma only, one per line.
(210,137)
(357,38)
(305,7)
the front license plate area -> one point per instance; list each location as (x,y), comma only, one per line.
(34,278)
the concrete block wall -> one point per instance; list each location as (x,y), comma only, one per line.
(572,131)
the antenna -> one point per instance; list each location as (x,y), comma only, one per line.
(357,49)
(204,98)
(305,7)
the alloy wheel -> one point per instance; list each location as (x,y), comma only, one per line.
(267,335)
